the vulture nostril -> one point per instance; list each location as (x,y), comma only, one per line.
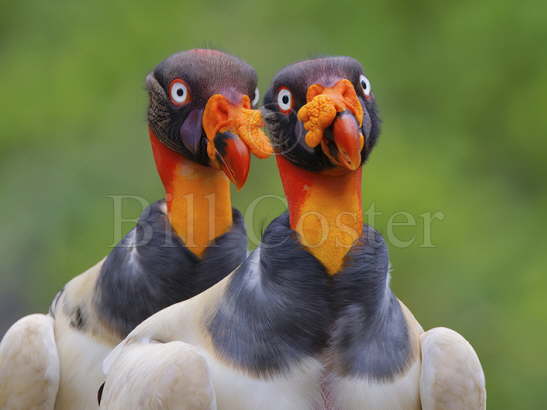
(313,91)
(223,112)
(347,93)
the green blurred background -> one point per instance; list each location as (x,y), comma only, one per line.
(462,89)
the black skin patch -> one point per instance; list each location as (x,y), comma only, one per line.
(370,337)
(151,269)
(329,138)
(286,131)
(220,143)
(100,394)
(77,319)
(276,309)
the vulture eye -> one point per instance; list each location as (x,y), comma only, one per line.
(284,100)
(365,85)
(256,97)
(178,92)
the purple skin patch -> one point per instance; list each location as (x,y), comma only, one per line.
(191,131)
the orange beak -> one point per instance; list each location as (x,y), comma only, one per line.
(338,111)
(232,131)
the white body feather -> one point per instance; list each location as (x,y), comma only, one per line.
(46,364)
(29,365)
(452,376)
(158,384)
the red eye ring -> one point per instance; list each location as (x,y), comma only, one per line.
(285,100)
(179,92)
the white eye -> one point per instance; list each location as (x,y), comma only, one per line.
(256,97)
(365,85)
(178,92)
(284,99)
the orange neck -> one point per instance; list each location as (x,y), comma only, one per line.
(198,197)
(325,210)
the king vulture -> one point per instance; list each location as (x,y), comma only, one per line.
(308,320)
(323,120)
(202,128)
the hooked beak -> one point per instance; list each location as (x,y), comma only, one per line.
(348,141)
(232,131)
(338,111)
(232,156)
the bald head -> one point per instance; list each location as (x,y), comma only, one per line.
(207,72)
